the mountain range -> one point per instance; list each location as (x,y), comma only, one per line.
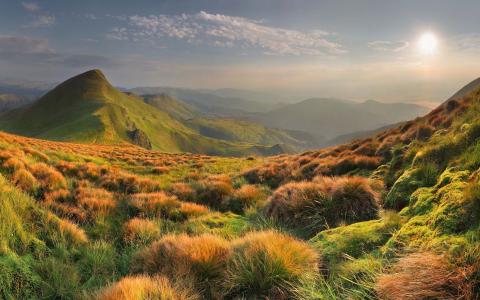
(88,109)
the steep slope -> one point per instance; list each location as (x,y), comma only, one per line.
(88,109)
(427,171)
(334,117)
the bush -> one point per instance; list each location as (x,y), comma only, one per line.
(143,287)
(270,264)
(422,276)
(203,257)
(140,231)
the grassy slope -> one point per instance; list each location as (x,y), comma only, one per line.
(88,109)
(231,130)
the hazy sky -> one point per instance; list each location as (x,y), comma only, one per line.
(385,50)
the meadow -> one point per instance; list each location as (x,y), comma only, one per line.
(393,216)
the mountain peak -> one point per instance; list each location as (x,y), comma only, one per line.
(95,74)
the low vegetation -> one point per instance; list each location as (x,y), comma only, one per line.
(393,216)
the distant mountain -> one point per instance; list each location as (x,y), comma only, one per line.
(208,102)
(325,117)
(88,109)
(261,97)
(174,107)
(31,89)
(12,101)
(233,130)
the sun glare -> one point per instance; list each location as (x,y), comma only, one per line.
(428,43)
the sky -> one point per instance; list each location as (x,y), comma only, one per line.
(409,50)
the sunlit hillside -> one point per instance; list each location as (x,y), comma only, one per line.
(393,216)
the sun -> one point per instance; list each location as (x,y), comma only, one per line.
(428,43)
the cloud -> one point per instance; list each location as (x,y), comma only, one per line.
(28,50)
(467,42)
(227,31)
(30,6)
(85,60)
(43,21)
(389,46)
(11,45)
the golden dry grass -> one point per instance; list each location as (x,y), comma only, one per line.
(143,287)
(140,230)
(422,276)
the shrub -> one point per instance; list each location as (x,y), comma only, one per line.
(140,231)
(269,264)
(421,276)
(143,287)
(203,257)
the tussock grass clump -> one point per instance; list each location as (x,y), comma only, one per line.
(143,287)
(246,196)
(324,202)
(214,191)
(204,257)
(123,182)
(163,205)
(95,201)
(139,230)
(188,210)
(157,204)
(270,264)
(72,232)
(23,179)
(13,164)
(183,191)
(423,276)
(49,178)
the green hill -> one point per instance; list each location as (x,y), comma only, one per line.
(88,109)
(228,129)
